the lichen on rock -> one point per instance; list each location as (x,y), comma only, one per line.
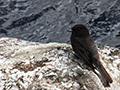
(30,66)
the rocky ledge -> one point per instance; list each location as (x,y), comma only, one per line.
(34,66)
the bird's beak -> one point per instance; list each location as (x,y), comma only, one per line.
(69,30)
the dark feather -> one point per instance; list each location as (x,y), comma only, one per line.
(85,48)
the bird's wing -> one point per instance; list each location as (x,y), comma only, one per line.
(82,51)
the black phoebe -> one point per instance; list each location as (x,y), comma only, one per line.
(84,47)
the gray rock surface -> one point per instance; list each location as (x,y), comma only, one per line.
(48,21)
(34,66)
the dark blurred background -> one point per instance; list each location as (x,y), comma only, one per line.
(47,21)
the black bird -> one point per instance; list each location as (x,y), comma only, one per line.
(84,47)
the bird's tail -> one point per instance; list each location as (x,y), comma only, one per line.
(105,76)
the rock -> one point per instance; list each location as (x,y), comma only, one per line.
(34,66)
(47,21)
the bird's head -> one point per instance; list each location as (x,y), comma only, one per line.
(80,30)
